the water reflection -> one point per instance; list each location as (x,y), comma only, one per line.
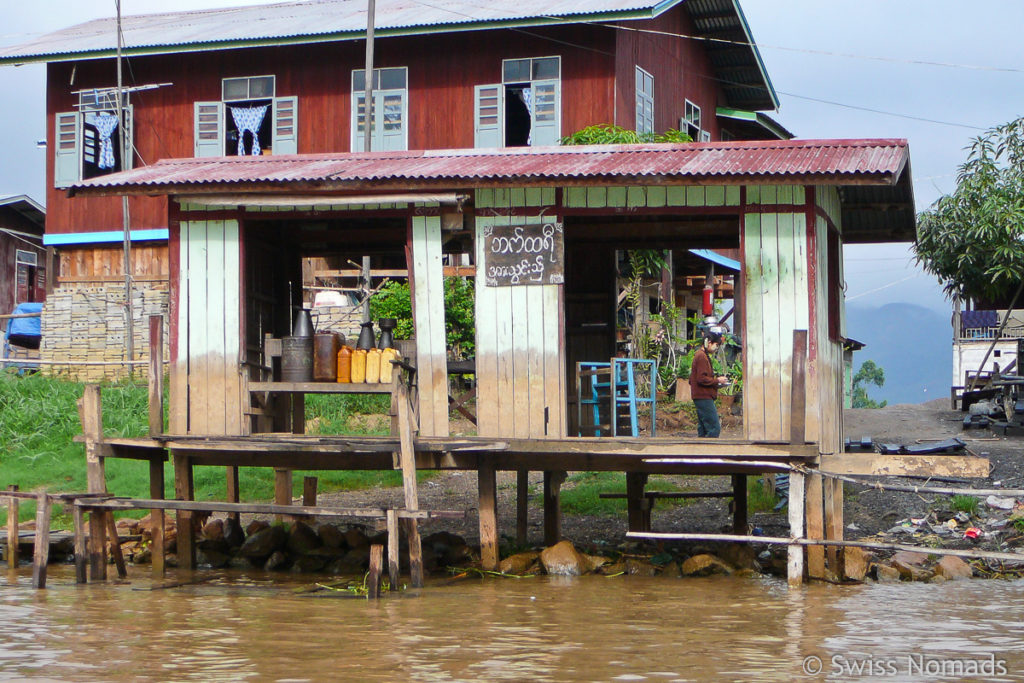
(238,627)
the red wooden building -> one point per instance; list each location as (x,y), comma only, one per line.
(22,255)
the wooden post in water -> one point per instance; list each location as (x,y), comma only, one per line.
(407,458)
(393,544)
(115,547)
(309,486)
(12,529)
(797,436)
(487,490)
(522,506)
(41,556)
(158,523)
(638,517)
(834,524)
(739,504)
(374,576)
(552,507)
(91,414)
(815,522)
(78,516)
(184,490)
(156,375)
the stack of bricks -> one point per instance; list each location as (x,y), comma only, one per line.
(87,324)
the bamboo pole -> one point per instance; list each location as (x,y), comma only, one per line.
(941,490)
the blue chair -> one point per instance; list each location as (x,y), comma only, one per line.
(636,383)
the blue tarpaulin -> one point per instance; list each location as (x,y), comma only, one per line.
(25,327)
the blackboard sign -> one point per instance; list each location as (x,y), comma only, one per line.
(524,254)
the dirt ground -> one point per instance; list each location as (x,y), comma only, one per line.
(868,511)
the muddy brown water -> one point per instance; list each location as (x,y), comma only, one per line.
(239,627)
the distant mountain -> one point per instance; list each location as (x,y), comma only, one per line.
(912,344)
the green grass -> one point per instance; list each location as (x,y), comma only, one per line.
(962,503)
(579,494)
(758,498)
(39,420)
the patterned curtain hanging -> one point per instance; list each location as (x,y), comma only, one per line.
(248,119)
(105,123)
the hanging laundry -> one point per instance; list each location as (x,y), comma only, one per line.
(248,119)
(105,123)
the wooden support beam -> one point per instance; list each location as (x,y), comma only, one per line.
(41,556)
(815,524)
(798,389)
(487,490)
(795,563)
(78,517)
(233,491)
(12,529)
(282,489)
(739,504)
(393,545)
(834,522)
(158,521)
(876,464)
(407,459)
(184,490)
(91,415)
(309,486)
(552,506)
(638,509)
(522,506)
(373,577)
(156,375)
(115,547)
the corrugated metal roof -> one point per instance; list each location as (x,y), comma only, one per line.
(747,83)
(312,18)
(876,162)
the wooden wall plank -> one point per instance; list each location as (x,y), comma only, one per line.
(486,345)
(534,371)
(432,371)
(520,343)
(233,399)
(753,378)
(772,339)
(198,343)
(787,296)
(215,332)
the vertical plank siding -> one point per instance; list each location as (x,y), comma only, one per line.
(208,327)
(776,302)
(431,346)
(829,361)
(520,356)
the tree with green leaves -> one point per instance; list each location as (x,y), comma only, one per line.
(869,373)
(972,240)
(604,134)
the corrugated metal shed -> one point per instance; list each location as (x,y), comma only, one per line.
(874,174)
(329,20)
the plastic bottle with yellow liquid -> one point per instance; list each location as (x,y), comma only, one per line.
(373,366)
(386,368)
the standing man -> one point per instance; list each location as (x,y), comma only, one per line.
(704,386)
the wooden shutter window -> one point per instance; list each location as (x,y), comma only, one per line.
(489,116)
(67,164)
(209,129)
(285,136)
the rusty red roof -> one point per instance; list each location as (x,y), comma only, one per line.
(838,162)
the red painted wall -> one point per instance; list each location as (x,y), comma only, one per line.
(597,87)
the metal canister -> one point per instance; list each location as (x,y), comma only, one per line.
(297,359)
(325,357)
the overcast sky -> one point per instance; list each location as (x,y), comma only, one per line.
(936,72)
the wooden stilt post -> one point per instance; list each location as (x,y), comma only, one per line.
(376,571)
(739,504)
(184,490)
(637,507)
(407,458)
(158,524)
(233,491)
(115,547)
(42,542)
(156,375)
(552,507)
(834,523)
(309,485)
(12,529)
(78,516)
(91,414)
(487,489)
(797,436)
(393,543)
(795,565)
(815,523)
(282,489)
(522,506)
